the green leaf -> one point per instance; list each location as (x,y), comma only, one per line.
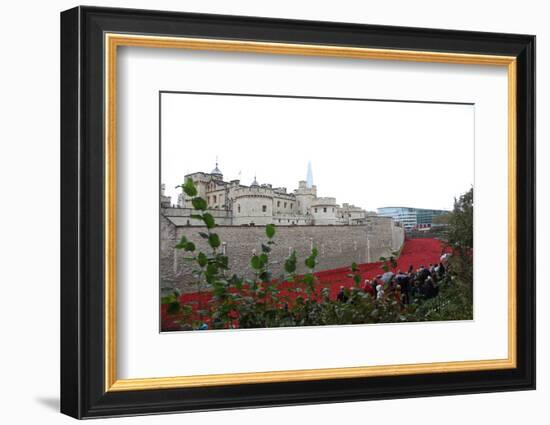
(265,276)
(310,262)
(173,308)
(182,243)
(199,203)
(202,259)
(290,263)
(255,262)
(168,299)
(308,279)
(357,279)
(211,269)
(264,258)
(223,261)
(265,248)
(189,247)
(209,220)
(219,290)
(189,187)
(214,240)
(236,281)
(270,230)
(209,278)
(354,267)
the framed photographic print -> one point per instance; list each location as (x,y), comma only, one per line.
(261,212)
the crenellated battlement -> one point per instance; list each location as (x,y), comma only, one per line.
(261,203)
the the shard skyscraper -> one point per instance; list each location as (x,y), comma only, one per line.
(309,179)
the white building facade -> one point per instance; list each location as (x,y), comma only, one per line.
(261,204)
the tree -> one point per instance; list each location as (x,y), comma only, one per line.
(461,238)
(443,219)
(461,221)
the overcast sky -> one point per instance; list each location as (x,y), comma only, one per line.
(372,154)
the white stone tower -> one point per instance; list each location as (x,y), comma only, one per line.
(306,192)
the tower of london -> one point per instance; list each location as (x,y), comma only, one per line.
(233,203)
(342,233)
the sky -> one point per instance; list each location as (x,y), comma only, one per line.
(368,153)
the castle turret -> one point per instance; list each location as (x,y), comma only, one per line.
(255,182)
(201,182)
(253,206)
(324,211)
(305,196)
(216,173)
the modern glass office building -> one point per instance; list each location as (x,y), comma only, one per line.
(411,218)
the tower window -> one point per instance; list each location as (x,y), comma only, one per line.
(278,204)
(264,208)
(324,210)
(291,205)
(239,208)
(215,199)
(315,209)
(285,204)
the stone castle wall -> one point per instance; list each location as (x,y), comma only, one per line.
(338,246)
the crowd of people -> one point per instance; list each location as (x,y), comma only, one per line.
(422,283)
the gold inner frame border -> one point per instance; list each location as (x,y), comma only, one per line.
(113,40)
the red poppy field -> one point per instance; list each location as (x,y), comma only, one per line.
(415,252)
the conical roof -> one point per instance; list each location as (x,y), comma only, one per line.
(216,171)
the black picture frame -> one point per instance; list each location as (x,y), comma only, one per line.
(83,392)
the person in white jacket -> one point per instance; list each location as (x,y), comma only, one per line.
(379,292)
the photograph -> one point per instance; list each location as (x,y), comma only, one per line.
(289,211)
